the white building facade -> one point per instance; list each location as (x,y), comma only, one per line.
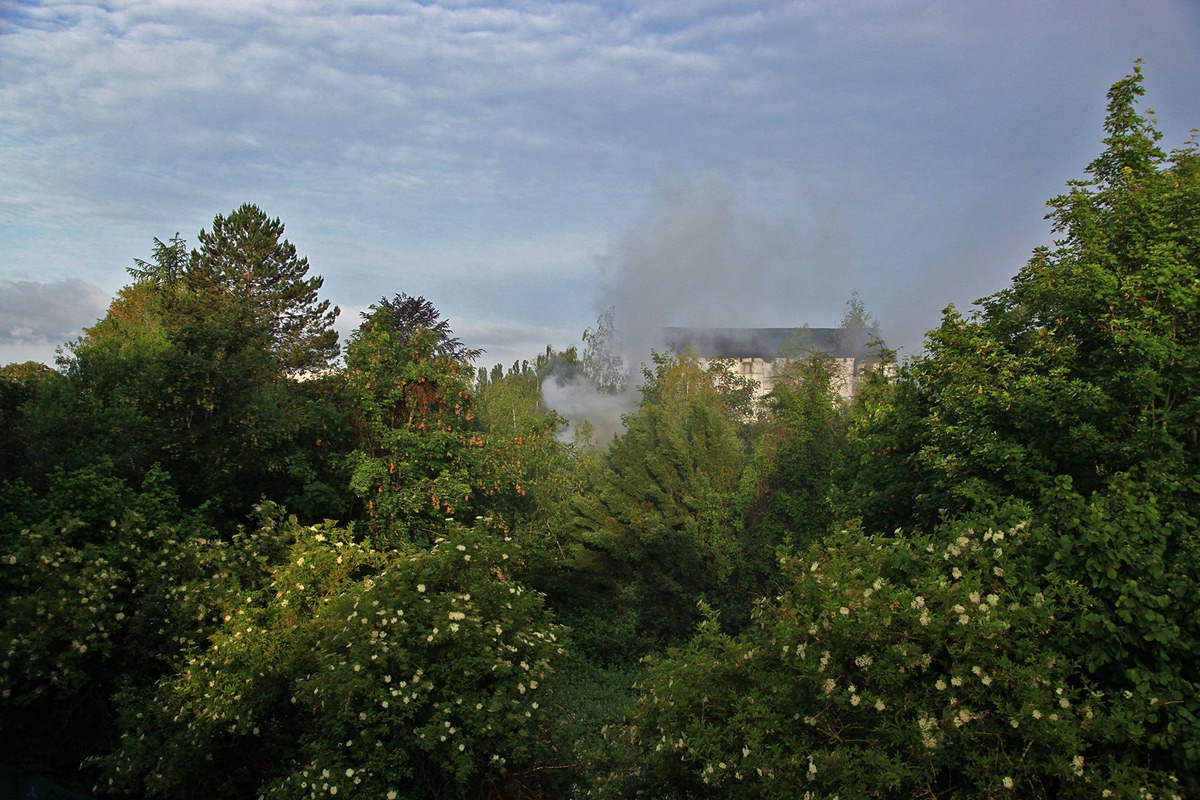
(761,354)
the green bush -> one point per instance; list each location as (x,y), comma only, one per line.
(400,673)
(102,587)
(895,666)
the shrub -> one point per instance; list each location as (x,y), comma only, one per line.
(401,673)
(894,666)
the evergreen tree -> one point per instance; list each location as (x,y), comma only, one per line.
(653,532)
(169,264)
(246,256)
(857,330)
(183,373)
(786,491)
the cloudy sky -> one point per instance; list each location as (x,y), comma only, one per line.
(524,164)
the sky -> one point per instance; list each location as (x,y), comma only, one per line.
(525,165)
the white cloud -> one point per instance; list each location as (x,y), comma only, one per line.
(199,81)
(558,255)
(38,314)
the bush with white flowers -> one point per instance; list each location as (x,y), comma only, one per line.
(897,666)
(361,672)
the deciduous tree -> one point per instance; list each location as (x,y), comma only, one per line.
(1075,390)
(421,458)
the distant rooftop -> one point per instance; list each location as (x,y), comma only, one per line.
(765,343)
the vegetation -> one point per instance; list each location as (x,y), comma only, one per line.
(232,566)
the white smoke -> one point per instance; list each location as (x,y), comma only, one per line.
(594,417)
(693,259)
(702,256)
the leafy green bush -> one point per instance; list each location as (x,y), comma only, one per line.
(102,587)
(399,673)
(897,666)
(1075,391)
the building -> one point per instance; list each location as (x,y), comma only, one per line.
(761,353)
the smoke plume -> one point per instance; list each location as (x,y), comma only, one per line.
(693,259)
(594,416)
(704,255)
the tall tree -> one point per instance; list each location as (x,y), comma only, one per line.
(1077,392)
(421,458)
(245,255)
(786,491)
(183,372)
(858,329)
(602,362)
(652,534)
(406,317)
(170,261)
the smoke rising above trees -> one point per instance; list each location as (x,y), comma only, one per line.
(707,253)
(698,256)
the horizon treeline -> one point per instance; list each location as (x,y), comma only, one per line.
(238,560)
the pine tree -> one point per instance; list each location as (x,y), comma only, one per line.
(169,264)
(246,256)
(653,533)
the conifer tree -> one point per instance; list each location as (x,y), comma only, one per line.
(245,255)
(653,532)
(169,264)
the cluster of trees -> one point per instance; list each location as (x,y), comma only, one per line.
(233,565)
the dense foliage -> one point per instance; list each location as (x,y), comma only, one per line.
(894,666)
(1074,391)
(231,566)
(382,672)
(652,531)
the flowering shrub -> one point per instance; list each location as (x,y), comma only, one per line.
(101,586)
(405,673)
(893,666)
(1076,390)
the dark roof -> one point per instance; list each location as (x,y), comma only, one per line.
(767,343)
